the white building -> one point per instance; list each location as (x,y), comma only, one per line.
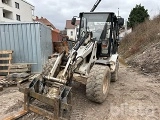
(16,10)
(72,29)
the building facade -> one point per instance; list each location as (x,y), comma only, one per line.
(72,29)
(16,10)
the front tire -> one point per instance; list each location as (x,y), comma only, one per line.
(98,83)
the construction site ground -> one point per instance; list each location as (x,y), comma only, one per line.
(134,96)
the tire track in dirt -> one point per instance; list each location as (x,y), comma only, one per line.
(79,102)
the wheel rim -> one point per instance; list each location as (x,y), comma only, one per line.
(105,85)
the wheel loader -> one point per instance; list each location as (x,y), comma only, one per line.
(93,61)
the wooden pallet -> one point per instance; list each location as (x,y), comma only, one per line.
(5,82)
(20,68)
(14,78)
(5,61)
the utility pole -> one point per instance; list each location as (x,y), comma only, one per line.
(118,12)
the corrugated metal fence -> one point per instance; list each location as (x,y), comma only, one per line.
(31,43)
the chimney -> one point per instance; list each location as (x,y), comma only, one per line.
(36,17)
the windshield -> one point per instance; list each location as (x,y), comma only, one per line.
(97,23)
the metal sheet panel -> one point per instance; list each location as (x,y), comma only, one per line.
(46,44)
(31,43)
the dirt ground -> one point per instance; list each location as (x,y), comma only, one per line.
(147,61)
(133,97)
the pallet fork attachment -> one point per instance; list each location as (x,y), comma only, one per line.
(61,104)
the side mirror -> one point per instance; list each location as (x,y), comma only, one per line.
(120,22)
(73,22)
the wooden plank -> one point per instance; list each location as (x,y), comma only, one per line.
(9,52)
(4,71)
(17,115)
(15,70)
(19,70)
(15,66)
(6,58)
(44,99)
(4,65)
(43,112)
(6,52)
(10,56)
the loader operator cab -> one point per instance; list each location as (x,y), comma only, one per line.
(105,30)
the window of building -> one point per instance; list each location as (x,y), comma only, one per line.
(4,1)
(7,2)
(32,11)
(7,14)
(71,33)
(4,15)
(18,17)
(16,5)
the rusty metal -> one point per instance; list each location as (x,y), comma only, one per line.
(53,92)
(43,112)
(18,115)
(28,94)
(61,102)
(55,79)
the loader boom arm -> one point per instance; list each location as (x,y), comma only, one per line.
(95,5)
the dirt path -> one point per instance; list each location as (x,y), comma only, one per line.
(133,97)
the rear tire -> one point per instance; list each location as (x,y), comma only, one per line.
(114,75)
(98,83)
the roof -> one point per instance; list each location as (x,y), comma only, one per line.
(56,30)
(45,21)
(70,26)
(27,3)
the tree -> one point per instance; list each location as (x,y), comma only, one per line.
(137,15)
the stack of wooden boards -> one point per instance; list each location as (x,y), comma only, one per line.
(13,79)
(20,68)
(7,67)
(5,61)
(14,71)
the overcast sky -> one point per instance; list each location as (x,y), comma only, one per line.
(58,11)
